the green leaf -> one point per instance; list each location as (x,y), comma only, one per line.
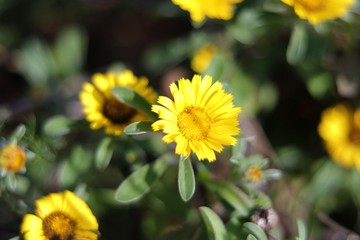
(233,195)
(57,126)
(301,230)
(11,182)
(166,56)
(239,149)
(22,184)
(272,174)
(255,230)
(76,165)
(140,181)
(320,84)
(71,40)
(18,134)
(248,27)
(261,199)
(15,238)
(36,62)
(133,99)
(67,174)
(216,67)
(186,178)
(251,237)
(298,44)
(215,227)
(104,153)
(138,128)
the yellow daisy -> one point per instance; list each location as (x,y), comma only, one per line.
(316,11)
(200,9)
(103,110)
(201,118)
(203,57)
(60,216)
(12,158)
(340,130)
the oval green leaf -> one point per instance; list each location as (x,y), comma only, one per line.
(133,99)
(233,195)
(140,181)
(251,237)
(18,133)
(272,174)
(214,226)
(186,178)
(57,126)
(298,44)
(104,153)
(301,230)
(255,230)
(138,128)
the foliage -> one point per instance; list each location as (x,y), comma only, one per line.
(279,181)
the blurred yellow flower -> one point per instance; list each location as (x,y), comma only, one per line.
(60,216)
(200,9)
(316,11)
(254,174)
(102,109)
(203,57)
(12,158)
(202,117)
(340,130)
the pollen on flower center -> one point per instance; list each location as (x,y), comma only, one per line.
(12,158)
(194,123)
(254,174)
(58,226)
(117,112)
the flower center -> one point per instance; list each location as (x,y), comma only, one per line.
(194,123)
(117,112)
(254,174)
(58,226)
(12,158)
(354,136)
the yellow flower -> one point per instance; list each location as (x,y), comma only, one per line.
(203,57)
(200,9)
(316,11)
(12,158)
(340,130)
(103,110)
(60,216)
(202,117)
(254,174)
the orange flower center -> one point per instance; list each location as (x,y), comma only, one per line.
(117,112)
(194,123)
(12,158)
(254,174)
(354,136)
(58,226)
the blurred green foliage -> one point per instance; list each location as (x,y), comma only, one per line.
(281,70)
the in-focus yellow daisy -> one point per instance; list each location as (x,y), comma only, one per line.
(103,110)
(12,158)
(316,11)
(203,57)
(200,9)
(340,130)
(201,118)
(60,216)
